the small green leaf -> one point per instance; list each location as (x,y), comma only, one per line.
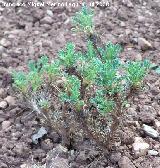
(158,70)
(83,20)
(68,56)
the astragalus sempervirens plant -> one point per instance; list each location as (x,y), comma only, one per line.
(82,92)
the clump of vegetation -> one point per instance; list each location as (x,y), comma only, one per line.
(84,91)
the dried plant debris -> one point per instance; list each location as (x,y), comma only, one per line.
(41,132)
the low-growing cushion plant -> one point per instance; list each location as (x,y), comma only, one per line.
(82,92)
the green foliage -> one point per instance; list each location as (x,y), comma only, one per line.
(35,80)
(20,81)
(83,20)
(68,56)
(158,70)
(44,104)
(136,72)
(94,72)
(109,77)
(52,70)
(154,66)
(110,52)
(71,93)
(37,72)
(90,50)
(89,71)
(39,65)
(102,103)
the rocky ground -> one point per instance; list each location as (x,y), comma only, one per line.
(29,32)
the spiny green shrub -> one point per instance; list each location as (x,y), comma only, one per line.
(90,87)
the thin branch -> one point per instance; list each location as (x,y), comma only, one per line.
(93,39)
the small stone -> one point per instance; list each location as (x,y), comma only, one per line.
(47,20)
(39,153)
(5,43)
(157,124)
(147,114)
(24,166)
(122,24)
(50,13)
(81,158)
(132,111)
(93,153)
(55,137)
(1,9)
(60,150)
(125,162)
(60,39)
(13,33)
(17,52)
(17,31)
(3,105)
(47,144)
(59,163)
(158,113)
(128,32)
(2,93)
(11,36)
(115,157)
(122,15)
(31,50)
(3,165)
(144,44)
(141,19)
(3,116)
(150,131)
(20,149)
(10,100)
(134,40)
(152,152)
(1,49)
(5,125)
(134,123)
(138,57)
(47,43)
(128,3)
(140,147)
(38,13)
